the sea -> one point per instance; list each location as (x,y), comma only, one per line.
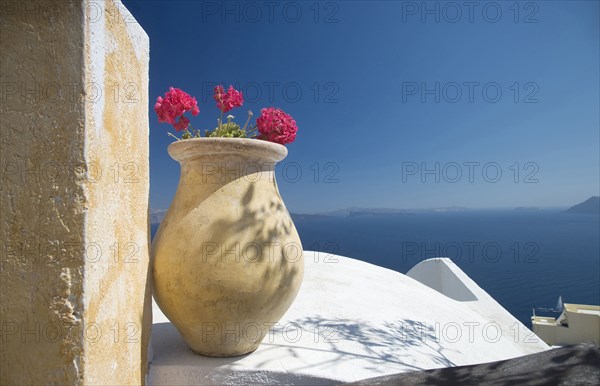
(524,259)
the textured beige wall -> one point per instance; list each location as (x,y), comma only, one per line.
(74,293)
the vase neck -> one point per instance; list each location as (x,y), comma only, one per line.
(223,170)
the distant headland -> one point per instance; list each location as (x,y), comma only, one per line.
(591,206)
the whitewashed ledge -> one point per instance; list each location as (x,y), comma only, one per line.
(353,320)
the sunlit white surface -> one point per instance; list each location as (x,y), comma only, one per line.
(353,320)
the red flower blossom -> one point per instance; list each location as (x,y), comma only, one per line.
(276,126)
(182,124)
(173,105)
(227,100)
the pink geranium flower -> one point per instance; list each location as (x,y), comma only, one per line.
(173,105)
(182,124)
(227,100)
(273,125)
(276,126)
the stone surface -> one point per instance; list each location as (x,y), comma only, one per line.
(74,194)
(350,321)
(574,365)
(227,259)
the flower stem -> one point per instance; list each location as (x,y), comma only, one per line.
(248,120)
(252,129)
(191,130)
(168,133)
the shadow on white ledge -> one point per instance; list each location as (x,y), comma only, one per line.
(353,320)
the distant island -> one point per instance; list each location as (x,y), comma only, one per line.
(156,215)
(526,208)
(590,206)
(360,212)
(305,216)
(357,212)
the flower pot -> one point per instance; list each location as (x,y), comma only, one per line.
(227,260)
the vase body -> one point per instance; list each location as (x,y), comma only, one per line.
(227,260)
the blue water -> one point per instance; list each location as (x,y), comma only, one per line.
(524,259)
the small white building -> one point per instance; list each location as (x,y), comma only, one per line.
(577,323)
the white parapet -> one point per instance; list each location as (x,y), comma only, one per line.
(578,323)
(74,184)
(442,275)
(353,320)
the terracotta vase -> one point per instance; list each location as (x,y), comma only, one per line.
(227,260)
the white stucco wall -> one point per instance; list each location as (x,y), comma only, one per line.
(353,320)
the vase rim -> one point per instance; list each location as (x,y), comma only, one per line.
(200,147)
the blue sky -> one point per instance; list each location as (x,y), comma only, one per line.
(399,104)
